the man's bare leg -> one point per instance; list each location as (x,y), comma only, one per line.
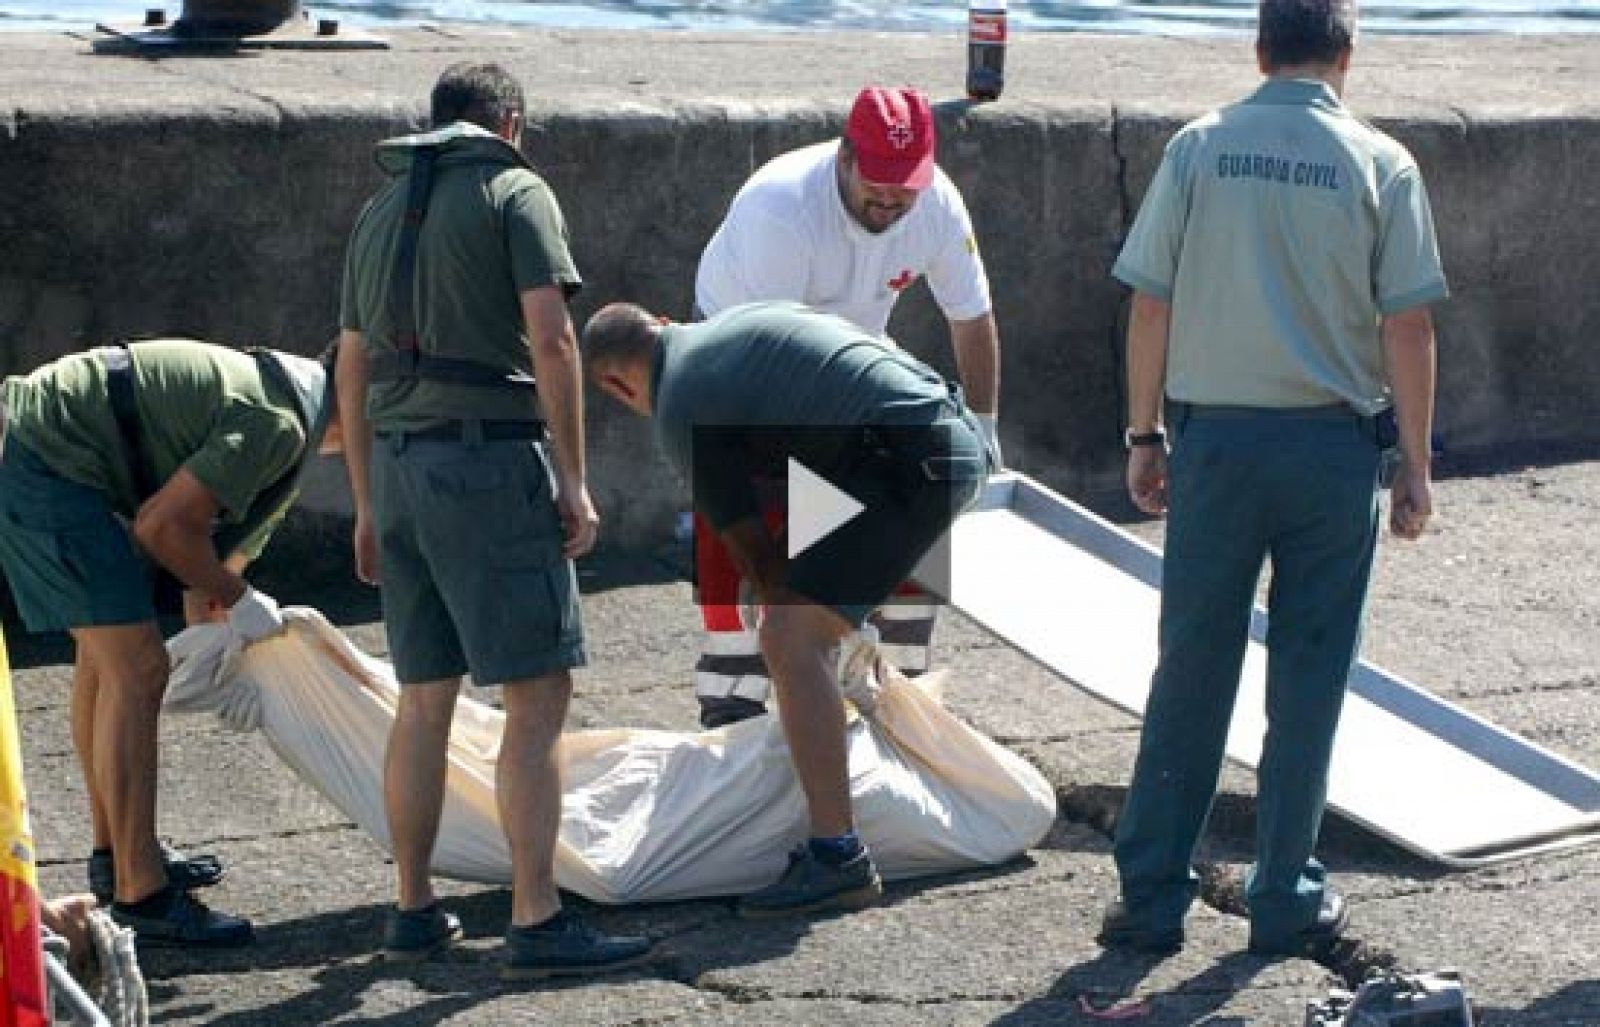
(414,766)
(130,670)
(85,689)
(528,789)
(798,639)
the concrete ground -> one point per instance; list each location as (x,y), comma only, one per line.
(1498,609)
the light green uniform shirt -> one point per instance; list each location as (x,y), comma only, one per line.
(1281,229)
(208,409)
(493,230)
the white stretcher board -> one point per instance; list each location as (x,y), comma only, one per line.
(1081,596)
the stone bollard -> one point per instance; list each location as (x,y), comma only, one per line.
(236,17)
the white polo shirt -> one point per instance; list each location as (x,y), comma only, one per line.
(788,236)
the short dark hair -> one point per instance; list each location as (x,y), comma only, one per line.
(484,94)
(1296,32)
(619,333)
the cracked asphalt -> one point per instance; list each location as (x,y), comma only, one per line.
(1496,608)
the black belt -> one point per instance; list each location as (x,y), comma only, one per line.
(467,430)
(1224,412)
(1380,427)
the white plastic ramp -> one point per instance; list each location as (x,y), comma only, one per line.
(1082,596)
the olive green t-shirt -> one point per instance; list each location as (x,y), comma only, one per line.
(202,407)
(1282,229)
(493,230)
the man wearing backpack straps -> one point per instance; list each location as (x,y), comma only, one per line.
(458,351)
(189,452)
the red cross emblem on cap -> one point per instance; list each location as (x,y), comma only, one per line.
(900,135)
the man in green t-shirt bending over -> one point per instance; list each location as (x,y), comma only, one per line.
(190,453)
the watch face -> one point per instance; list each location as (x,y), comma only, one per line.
(1132,440)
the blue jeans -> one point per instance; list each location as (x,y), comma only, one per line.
(1246,486)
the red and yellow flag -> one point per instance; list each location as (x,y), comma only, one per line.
(22,994)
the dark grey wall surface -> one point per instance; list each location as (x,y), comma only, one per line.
(211,196)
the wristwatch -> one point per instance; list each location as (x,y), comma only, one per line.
(1156,436)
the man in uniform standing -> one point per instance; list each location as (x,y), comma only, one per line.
(845,226)
(189,452)
(1283,262)
(456,353)
(743,396)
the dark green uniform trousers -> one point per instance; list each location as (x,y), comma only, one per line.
(1248,485)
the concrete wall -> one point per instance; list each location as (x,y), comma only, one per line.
(221,213)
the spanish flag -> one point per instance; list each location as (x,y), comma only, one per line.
(21,958)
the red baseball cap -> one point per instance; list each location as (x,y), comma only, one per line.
(893,135)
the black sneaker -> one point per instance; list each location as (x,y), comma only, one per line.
(1119,930)
(809,885)
(720,711)
(186,921)
(186,872)
(564,945)
(412,935)
(1313,942)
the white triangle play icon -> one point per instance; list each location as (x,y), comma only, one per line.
(816,507)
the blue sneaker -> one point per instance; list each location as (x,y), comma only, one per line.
(565,945)
(809,885)
(412,935)
(183,871)
(186,922)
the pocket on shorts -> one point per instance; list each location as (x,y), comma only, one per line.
(505,502)
(542,603)
(466,481)
(43,502)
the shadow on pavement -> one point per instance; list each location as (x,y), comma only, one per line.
(1107,983)
(1508,457)
(339,948)
(339,990)
(729,941)
(1343,845)
(1576,1003)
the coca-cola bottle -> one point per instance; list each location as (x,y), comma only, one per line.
(986,48)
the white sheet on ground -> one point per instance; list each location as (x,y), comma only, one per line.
(648,815)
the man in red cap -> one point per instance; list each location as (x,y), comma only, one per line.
(845,226)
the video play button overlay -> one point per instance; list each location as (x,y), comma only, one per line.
(817,508)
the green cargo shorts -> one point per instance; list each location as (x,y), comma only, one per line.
(66,555)
(469,544)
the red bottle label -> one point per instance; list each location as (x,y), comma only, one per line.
(986,26)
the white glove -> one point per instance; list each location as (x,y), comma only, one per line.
(255,616)
(858,654)
(858,668)
(989,424)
